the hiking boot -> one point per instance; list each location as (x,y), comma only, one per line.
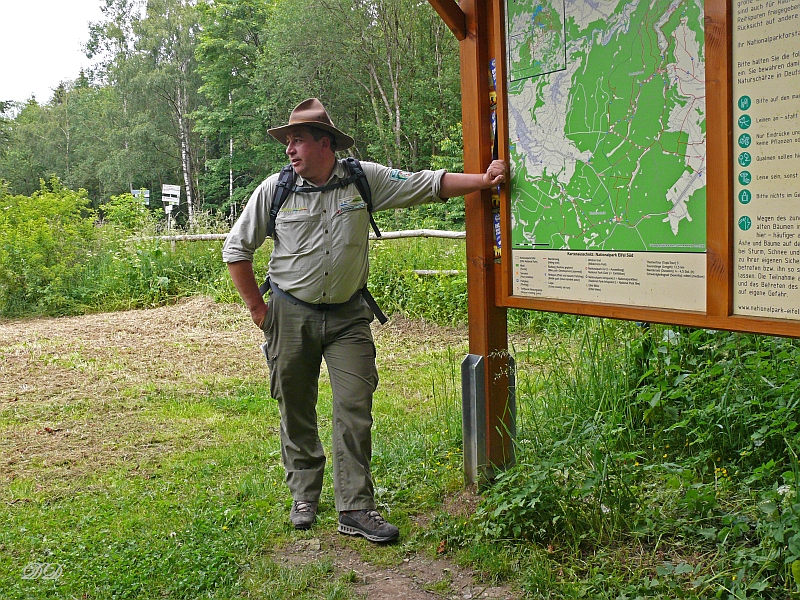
(367,523)
(303,514)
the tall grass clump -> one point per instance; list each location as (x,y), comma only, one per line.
(670,449)
(570,483)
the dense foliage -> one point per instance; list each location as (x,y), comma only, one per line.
(183,92)
(59,257)
(44,243)
(671,451)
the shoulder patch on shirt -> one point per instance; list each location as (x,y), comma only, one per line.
(398,175)
(352,203)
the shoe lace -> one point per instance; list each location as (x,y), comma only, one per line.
(376,517)
(300,506)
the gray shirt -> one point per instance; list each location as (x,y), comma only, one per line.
(321,252)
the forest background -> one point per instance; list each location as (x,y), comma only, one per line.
(183,92)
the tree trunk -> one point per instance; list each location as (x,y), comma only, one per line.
(230,167)
(186,159)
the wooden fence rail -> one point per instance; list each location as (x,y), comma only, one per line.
(387,235)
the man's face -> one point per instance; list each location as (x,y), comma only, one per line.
(309,157)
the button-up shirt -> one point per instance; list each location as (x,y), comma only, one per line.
(321,252)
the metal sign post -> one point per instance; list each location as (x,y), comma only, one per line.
(479,469)
(170,196)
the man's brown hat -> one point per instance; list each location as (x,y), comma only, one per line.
(311,112)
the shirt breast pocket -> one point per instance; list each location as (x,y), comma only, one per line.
(351,221)
(297,232)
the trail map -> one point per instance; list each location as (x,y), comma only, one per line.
(608,146)
(536,38)
(606,114)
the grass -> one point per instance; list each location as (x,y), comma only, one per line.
(174,488)
(162,478)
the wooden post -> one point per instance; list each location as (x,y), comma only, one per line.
(488,333)
(719,126)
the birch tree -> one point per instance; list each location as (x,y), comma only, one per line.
(167,68)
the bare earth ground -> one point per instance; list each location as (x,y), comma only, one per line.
(79,384)
(410,581)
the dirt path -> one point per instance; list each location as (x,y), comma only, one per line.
(416,578)
(107,364)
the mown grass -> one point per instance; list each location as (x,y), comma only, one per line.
(188,499)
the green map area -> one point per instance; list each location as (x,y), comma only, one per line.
(607,132)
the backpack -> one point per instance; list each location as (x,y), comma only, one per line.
(286,185)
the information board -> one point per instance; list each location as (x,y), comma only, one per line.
(615,112)
(606,112)
(144,194)
(766,95)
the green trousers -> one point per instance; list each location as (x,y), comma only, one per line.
(297,339)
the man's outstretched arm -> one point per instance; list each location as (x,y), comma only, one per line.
(459,184)
(245,281)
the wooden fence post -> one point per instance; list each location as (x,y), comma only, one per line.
(488,328)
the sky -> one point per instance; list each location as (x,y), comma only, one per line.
(40,45)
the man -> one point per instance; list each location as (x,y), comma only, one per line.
(318,271)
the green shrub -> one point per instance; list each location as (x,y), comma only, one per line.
(45,240)
(720,396)
(127,214)
(573,479)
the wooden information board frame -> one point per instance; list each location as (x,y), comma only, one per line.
(719,198)
(479,25)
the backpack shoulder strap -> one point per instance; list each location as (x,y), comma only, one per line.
(283,188)
(353,166)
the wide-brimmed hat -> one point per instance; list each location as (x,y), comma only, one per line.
(311,112)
